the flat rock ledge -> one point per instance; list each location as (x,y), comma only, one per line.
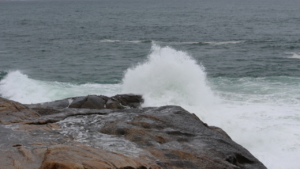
(99,132)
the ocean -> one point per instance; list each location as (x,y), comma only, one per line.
(235,64)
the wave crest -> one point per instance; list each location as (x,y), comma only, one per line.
(169,77)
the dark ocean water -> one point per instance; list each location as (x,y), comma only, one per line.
(236,63)
(70,36)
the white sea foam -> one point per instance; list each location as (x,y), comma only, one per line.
(110,41)
(169,77)
(263,114)
(224,43)
(134,41)
(294,55)
(20,87)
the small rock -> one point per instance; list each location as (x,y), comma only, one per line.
(133,101)
(16,145)
(113,104)
(78,102)
(94,102)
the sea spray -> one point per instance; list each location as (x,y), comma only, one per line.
(169,77)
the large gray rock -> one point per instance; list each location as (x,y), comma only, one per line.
(153,137)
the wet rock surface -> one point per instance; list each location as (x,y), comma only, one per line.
(99,132)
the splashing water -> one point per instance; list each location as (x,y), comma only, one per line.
(169,77)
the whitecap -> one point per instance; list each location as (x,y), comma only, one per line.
(109,41)
(294,55)
(224,43)
(19,87)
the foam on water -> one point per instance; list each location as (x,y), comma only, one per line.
(224,43)
(262,114)
(110,41)
(19,87)
(294,55)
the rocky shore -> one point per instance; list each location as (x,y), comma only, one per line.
(99,132)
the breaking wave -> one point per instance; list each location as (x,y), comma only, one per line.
(19,87)
(169,77)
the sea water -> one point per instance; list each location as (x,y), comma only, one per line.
(235,64)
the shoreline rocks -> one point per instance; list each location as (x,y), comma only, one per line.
(99,132)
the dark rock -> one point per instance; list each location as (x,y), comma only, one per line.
(94,102)
(164,137)
(104,97)
(78,102)
(55,104)
(133,101)
(217,129)
(177,124)
(113,104)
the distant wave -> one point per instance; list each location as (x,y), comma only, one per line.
(161,42)
(110,41)
(224,43)
(294,55)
